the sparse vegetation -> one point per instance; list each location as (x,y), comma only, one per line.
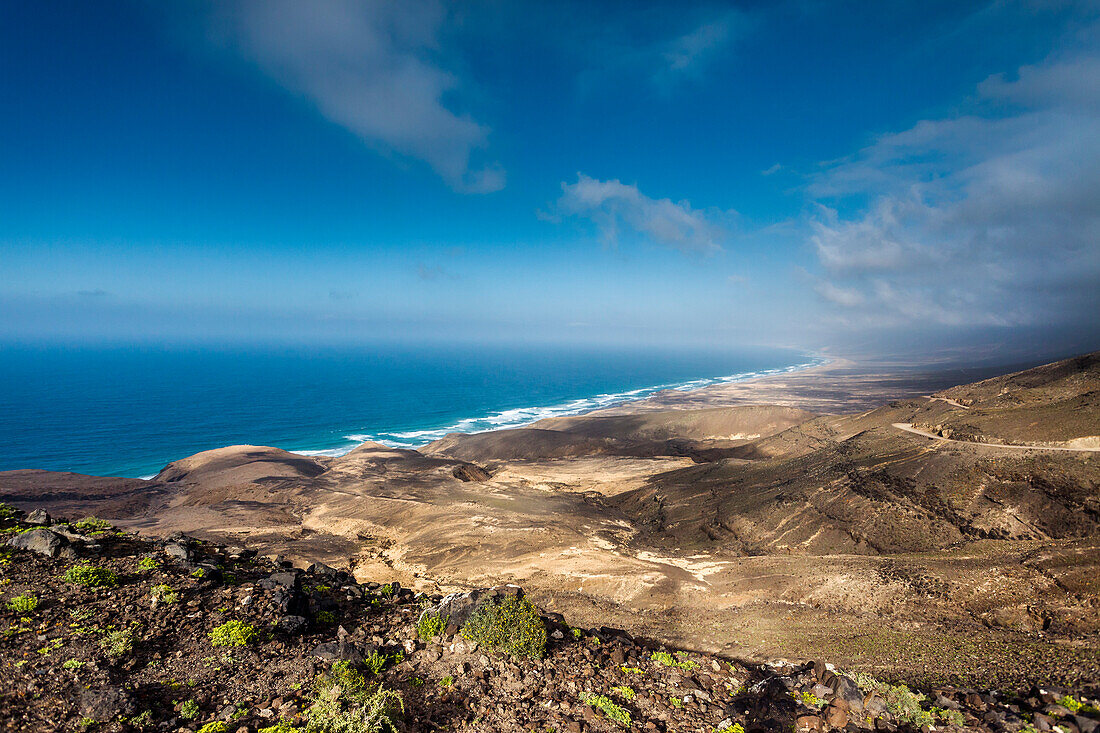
(23,604)
(607,706)
(189,710)
(233,633)
(903,703)
(625,692)
(87,525)
(216,727)
(809,699)
(148,563)
(117,643)
(667,660)
(163,594)
(91,576)
(283,726)
(431,624)
(342,704)
(511,625)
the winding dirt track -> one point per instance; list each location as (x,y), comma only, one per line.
(908,427)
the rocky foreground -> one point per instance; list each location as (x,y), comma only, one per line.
(107,630)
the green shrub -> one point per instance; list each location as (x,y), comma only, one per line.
(951,717)
(283,726)
(6,511)
(233,633)
(148,563)
(431,624)
(216,727)
(1073,704)
(326,617)
(376,662)
(90,524)
(447,681)
(342,704)
(667,660)
(189,710)
(625,692)
(903,703)
(142,719)
(607,706)
(23,604)
(73,664)
(164,594)
(118,643)
(91,576)
(511,625)
(387,590)
(809,699)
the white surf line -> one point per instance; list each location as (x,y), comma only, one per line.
(908,427)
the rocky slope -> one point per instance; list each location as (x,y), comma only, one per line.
(107,630)
(838,536)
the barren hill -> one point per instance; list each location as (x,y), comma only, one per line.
(756,531)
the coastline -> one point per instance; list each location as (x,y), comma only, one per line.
(838,385)
(606,403)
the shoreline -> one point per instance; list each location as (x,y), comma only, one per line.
(606,403)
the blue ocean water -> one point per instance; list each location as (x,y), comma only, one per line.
(127,411)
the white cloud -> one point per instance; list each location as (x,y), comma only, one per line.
(979,219)
(691,50)
(371,68)
(840,296)
(615,206)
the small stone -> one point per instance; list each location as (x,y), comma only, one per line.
(808,723)
(292,624)
(40,517)
(836,716)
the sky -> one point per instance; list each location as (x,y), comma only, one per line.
(843,177)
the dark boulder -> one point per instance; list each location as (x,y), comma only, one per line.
(43,541)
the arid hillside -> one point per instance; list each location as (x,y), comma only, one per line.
(750,531)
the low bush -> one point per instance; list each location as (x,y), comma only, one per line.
(91,576)
(431,624)
(163,594)
(23,604)
(667,660)
(625,692)
(903,703)
(90,524)
(216,727)
(233,633)
(283,726)
(607,706)
(511,625)
(342,704)
(118,643)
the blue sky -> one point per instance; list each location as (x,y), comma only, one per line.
(820,175)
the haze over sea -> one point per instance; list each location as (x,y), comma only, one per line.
(127,411)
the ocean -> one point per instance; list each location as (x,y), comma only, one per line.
(127,411)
